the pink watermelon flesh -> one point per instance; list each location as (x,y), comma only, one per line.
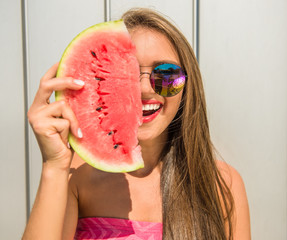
(108,108)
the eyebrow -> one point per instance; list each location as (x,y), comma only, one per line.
(156,63)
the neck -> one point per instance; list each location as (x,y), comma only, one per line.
(151,150)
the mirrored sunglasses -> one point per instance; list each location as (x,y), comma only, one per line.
(167,79)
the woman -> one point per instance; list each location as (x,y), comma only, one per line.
(182,189)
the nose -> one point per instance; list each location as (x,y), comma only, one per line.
(145,83)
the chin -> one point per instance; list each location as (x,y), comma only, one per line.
(145,135)
(150,134)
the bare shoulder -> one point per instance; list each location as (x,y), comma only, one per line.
(71,215)
(241,220)
(230,175)
(76,162)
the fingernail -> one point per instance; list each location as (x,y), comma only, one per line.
(68,145)
(80,134)
(79,82)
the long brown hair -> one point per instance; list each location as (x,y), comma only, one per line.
(197,203)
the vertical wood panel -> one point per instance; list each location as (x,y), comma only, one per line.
(51,26)
(243,58)
(12,145)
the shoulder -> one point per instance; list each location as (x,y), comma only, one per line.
(71,214)
(84,177)
(77,170)
(241,219)
(231,176)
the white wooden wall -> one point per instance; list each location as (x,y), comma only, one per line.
(243,58)
(51,25)
(243,54)
(12,126)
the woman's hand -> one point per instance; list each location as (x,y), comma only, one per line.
(51,123)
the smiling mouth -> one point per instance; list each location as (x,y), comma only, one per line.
(149,109)
(147,113)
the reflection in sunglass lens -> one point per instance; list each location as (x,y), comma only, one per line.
(167,79)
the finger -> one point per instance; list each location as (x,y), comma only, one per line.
(62,109)
(52,137)
(62,126)
(55,84)
(51,73)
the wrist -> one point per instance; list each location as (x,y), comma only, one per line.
(50,170)
(60,164)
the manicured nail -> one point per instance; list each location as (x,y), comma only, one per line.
(80,134)
(79,82)
(68,145)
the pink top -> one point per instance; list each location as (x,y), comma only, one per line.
(116,228)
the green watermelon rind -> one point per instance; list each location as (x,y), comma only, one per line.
(81,151)
(101,165)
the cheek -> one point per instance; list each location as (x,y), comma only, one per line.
(171,107)
(155,128)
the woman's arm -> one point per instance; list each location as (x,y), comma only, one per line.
(47,216)
(241,217)
(241,222)
(51,124)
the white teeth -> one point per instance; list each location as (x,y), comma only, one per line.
(154,106)
(148,107)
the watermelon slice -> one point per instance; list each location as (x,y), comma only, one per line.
(109,107)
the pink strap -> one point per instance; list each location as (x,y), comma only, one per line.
(115,228)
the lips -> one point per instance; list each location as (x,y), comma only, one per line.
(151,108)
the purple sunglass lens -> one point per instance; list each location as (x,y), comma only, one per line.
(168,79)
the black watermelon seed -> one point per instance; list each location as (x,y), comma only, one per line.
(116,146)
(110,133)
(99,79)
(93,53)
(98,108)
